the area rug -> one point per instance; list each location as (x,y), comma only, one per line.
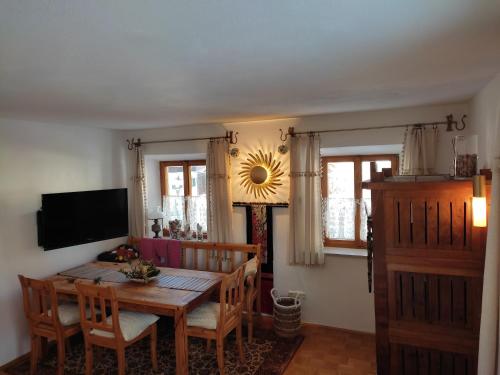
(268,354)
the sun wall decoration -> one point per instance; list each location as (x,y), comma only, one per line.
(261,174)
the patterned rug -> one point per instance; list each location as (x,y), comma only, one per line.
(267,355)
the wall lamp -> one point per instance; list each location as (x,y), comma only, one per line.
(479,201)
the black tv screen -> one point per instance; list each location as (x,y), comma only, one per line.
(68,219)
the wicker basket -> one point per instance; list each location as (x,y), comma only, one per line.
(286,315)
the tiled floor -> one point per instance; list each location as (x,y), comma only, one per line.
(334,352)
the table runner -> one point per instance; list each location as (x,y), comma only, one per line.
(195,284)
(91,273)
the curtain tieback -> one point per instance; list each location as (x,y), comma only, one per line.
(305,174)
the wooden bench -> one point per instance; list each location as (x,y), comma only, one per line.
(226,258)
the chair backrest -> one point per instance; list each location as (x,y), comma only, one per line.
(232,295)
(40,302)
(252,266)
(95,299)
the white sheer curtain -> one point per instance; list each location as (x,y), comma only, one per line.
(220,210)
(489,339)
(306,229)
(197,211)
(419,150)
(139,217)
(190,210)
(174,208)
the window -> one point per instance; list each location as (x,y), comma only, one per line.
(184,191)
(346,203)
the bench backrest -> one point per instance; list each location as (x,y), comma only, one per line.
(213,256)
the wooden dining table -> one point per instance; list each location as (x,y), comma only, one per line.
(155,299)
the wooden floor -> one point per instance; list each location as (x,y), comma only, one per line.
(332,351)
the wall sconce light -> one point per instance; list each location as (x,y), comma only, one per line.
(283,148)
(479,201)
(234,152)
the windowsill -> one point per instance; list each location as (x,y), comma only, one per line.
(343,251)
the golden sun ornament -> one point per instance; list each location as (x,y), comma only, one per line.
(261,174)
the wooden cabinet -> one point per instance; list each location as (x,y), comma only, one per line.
(428,275)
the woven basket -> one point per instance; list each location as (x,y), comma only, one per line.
(286,315)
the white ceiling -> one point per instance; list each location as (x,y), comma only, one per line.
(138,64)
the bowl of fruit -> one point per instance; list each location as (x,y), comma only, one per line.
(142,271)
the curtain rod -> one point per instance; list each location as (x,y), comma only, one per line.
(450,123)
(230,135)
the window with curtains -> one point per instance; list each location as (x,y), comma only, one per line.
(346,204)
(184,191)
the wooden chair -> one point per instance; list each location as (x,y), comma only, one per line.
(47,319)
(116,331)
(252,292)
(214,320)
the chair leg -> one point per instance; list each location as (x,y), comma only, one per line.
(239,341)
(220,354)
(259,300)
(250,324)
(60,355)
(154,355)
(67,342)
(43,350)
(120,352)
(35,348)
(89,359)
(208,344)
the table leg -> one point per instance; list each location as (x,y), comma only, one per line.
(181,343)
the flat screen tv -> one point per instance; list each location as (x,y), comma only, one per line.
(68,219)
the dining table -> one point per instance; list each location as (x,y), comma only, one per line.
(173,293)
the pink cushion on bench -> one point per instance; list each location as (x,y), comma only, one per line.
(162,252)
(174,253)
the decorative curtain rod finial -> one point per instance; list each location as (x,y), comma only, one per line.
(132,143)
(451,122)
(283,136)
(232,136)
(290,132)
(463,123)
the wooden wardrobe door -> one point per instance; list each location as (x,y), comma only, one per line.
(428,276)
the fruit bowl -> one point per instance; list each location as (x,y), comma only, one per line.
(142,271)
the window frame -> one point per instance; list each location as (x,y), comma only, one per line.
(186,165)
(357,243)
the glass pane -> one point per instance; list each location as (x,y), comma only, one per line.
(198,180)
(366,201)
(175,179)
(340,214)
(365,168)
(197,203)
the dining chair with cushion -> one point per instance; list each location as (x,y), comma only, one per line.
(115,331)
(252,267)
(213,320)
(48,319)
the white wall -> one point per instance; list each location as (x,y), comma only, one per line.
(336,293)
(485,110)
(38,158)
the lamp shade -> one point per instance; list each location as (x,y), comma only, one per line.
(479,201)
(479,211)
